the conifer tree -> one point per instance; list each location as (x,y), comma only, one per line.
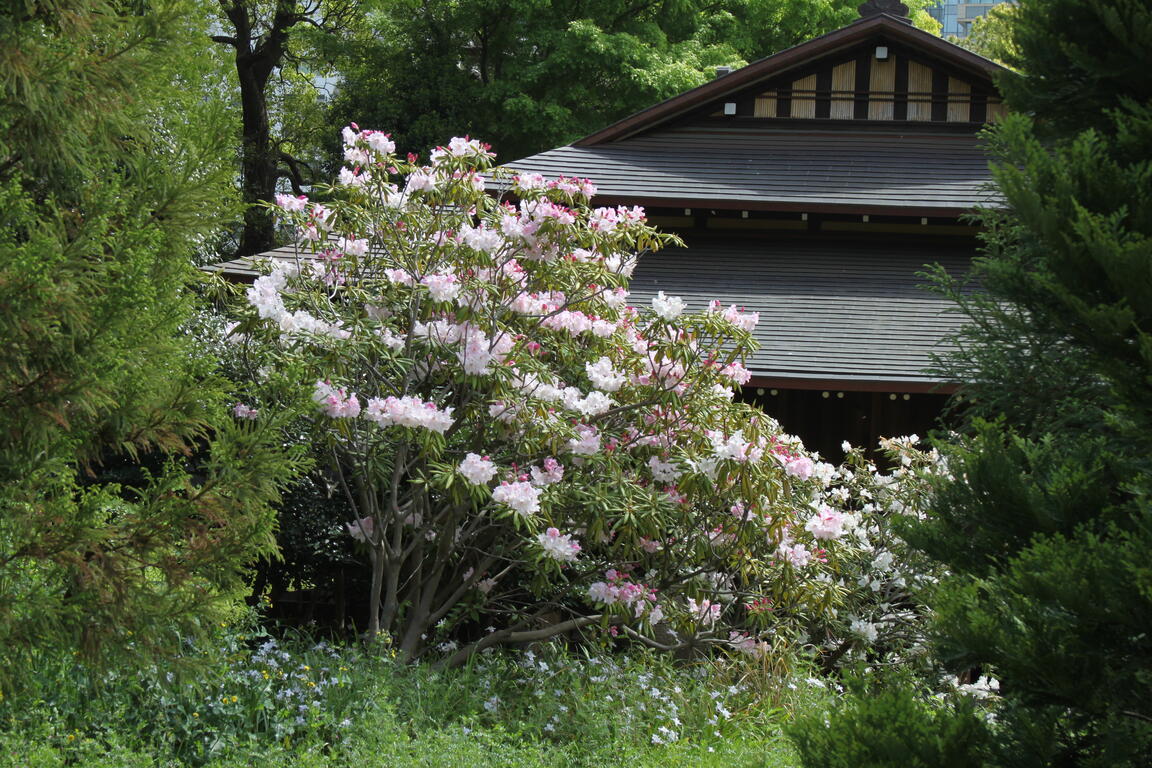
(1045,522)
(130,497)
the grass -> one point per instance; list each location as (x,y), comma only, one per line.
(249,700)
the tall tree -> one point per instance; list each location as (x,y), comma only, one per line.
(529,75)
(130,499)
(1044,521)
(261,35)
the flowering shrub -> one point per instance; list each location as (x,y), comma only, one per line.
(521,444)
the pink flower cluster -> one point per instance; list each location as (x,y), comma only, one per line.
(351,247)
(335,402)
(561,548)
(826,523)
(242,411)
(619,590)
(521,496)
(745,321)
(361,530)
(796,555)
(737,372)
(551,472)
(409,412)
(525,182)
(800,467)
(441,287)
(292,204)
(704,612)
(477,469)
(608,219)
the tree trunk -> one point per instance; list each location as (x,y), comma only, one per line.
(259,164)
(377,551)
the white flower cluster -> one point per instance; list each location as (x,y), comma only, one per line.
(561,548)
(264,295)
(477,469)
(745,321)
(667,307)
(335,402)
(409,412)
(604,376)
(664,471)
(521,496)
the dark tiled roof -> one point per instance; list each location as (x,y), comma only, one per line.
(829,310)
(837,311)
(241,269)
(912,173)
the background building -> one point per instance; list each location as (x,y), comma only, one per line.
(956,16)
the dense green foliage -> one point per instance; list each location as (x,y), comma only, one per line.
(129,501)
(890,728)
(241,697)
(1045,525)
(529,75)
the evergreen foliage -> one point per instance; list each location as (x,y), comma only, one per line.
(129,500)
(1045,522)
(892,728)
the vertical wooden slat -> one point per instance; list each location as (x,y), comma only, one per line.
(959,101)
(900,106)
(824,93)
(863,72)
(880,86)
(979,106)
(784,102)
(804,97)
(996,110)
(939,96)
(765,105)
(919,91)
(843,83)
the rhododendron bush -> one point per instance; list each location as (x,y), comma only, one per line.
(528,452)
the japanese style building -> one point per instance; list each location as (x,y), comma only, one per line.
(813,186)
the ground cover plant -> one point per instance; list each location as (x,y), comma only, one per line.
(243,695)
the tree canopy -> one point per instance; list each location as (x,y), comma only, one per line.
(533,74)
(129,502)
(1044,522)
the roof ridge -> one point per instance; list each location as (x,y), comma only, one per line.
(782,61)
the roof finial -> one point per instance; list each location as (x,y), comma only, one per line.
(877,7)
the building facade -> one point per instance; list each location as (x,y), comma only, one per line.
(956,16)
(815,187)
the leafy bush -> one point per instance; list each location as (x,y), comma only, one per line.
(892,727)
(531,452)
